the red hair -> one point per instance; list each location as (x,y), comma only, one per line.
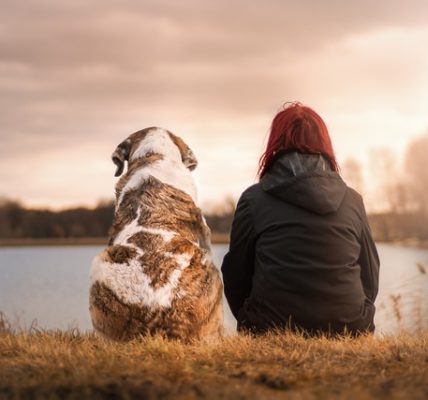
(297,128)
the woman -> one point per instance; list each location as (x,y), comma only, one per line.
(301,253)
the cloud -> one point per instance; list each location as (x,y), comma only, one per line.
(80,74)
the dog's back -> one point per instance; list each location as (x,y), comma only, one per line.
(156,276)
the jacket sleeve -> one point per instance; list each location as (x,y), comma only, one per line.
(238,263)
(369,261)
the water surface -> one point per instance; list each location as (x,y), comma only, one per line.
(48,287)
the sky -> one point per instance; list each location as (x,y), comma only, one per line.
(77,77)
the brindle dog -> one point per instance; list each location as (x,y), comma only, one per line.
(156,276)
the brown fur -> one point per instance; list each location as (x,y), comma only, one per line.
(184,320)
(120,254)
(196,310)
(162,207)
(134,166)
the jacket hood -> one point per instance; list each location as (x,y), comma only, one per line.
(306,181)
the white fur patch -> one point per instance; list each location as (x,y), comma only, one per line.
(166,235)
(128,230)
(157,140)
(132,286)
(128,281)
(170,170)
(133,227)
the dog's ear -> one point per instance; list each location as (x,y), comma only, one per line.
(120,155)
(187,156)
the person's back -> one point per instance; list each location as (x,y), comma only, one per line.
(301,253)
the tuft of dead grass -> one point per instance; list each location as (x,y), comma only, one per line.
(73,365)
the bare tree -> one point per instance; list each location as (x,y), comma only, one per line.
(221,215)
(392,192)
(352,173)
(417,173)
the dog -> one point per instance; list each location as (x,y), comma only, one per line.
(156,276)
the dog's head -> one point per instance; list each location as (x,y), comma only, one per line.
(151,141)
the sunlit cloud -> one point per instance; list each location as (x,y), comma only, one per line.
(76,78)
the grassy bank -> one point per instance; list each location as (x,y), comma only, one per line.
(73,365)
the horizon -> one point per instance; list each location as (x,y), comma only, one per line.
(79,78)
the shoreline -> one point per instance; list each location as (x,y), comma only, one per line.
(216,238)
(410,242)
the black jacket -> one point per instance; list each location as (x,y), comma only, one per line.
(301,252)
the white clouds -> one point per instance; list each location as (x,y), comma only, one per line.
(86,74)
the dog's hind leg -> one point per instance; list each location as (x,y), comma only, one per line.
(213,326)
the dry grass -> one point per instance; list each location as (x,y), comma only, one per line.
(283,365)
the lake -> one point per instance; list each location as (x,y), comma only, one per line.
(47,287)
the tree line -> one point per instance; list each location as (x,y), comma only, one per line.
(403,192)
(17,221)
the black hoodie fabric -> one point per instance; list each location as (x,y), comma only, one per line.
(301,253)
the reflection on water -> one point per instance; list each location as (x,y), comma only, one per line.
(50,285)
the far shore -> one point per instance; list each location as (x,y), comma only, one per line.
(409,242)
(217,238)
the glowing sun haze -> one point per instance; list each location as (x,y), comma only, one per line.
(77,77)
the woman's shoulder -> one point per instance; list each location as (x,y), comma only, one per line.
(354,196)
(252,192)
(249,198)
